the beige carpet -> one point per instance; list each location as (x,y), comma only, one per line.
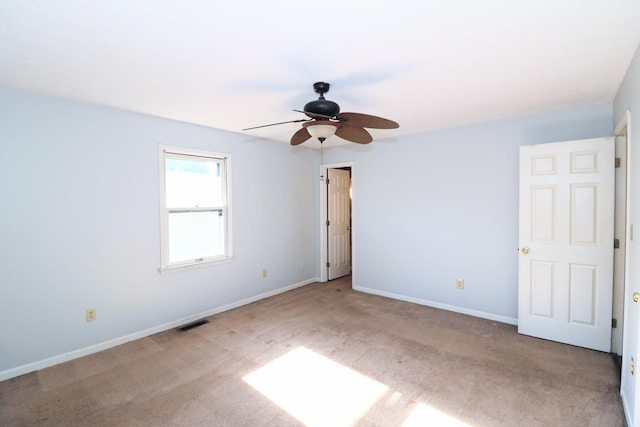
(325,355)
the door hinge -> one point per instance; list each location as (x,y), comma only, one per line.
(327,181)
(328,264)
(616,243)
(618,162)
(328,223)
(614,323)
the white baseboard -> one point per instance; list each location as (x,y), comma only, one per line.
(627,410)
(41,364)
(462,310)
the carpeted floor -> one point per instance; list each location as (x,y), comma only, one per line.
(325,355)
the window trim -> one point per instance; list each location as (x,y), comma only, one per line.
(165,266)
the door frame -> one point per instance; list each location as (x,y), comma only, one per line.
(630,398)
(620,288)
(324,242)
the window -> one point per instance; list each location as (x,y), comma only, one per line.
(194,208)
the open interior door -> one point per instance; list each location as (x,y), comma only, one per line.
(567,192)
(339,222)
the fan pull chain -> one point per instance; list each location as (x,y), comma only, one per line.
(321,161)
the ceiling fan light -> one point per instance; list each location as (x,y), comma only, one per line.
(321,130)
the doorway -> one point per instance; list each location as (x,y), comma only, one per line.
(618,233)
(567,194)
(336,213)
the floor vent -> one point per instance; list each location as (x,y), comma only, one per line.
(193,325)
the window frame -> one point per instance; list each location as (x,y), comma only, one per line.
(166,151)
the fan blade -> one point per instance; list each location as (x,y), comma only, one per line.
(354,134)
(279,123)
(314,114)
(366,121)
(300,136)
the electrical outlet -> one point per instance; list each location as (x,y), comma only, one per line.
(459,283)
(91,315)
(265,273)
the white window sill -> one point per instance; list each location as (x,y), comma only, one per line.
(192,265)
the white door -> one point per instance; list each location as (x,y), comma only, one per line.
(339,223)
(566,242)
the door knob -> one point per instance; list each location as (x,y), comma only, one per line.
(636,296)
(525,250)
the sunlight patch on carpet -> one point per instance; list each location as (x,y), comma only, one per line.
(424,415)
(316,390)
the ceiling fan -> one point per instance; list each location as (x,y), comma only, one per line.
(325,120)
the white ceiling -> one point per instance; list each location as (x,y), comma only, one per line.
(426,64)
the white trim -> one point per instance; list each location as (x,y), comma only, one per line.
(75,354)
(621,218)
(187,153)
(629,406)
(470,312)
(624,121)
(323,215)
(625,405)
(193,265)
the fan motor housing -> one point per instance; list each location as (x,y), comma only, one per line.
(322,106)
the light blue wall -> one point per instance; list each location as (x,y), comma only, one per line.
(80,222)
(442,205)
(79,225)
